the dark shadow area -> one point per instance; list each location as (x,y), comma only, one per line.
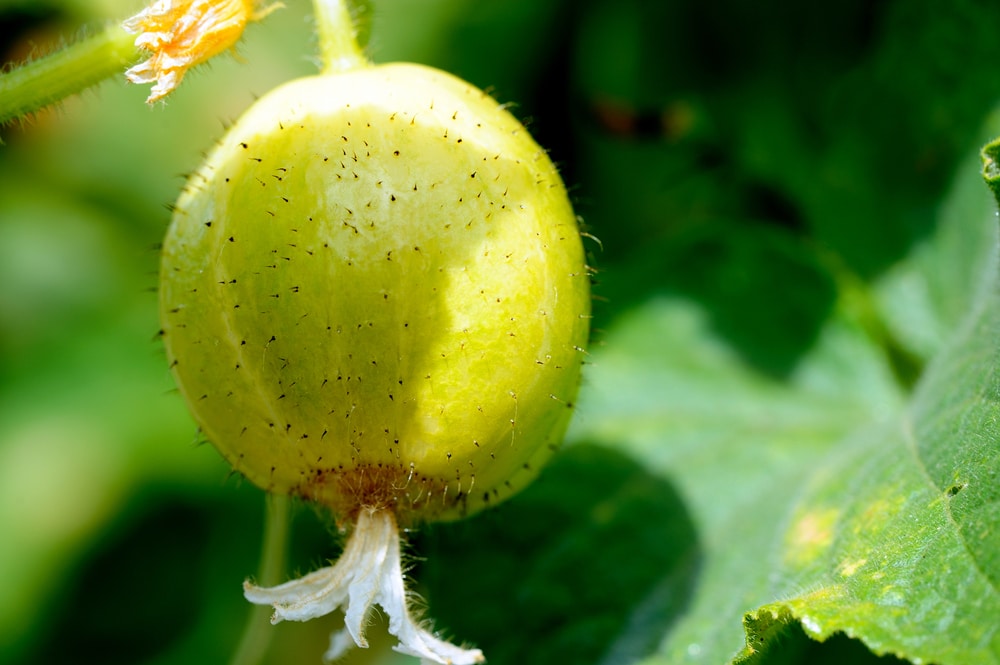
(765,292)
(21,25)
(795,648)
(591,564)
(150,577)
(806,107)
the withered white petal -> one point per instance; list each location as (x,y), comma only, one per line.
(369,572)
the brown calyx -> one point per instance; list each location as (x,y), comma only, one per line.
(412,497)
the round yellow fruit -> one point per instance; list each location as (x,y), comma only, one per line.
(373,294)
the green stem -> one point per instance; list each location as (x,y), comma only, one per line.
(69,70)
(338,36)
(991,167)
(256,636)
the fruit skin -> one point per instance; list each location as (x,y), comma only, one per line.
(373,294)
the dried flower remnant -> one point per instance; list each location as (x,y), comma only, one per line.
(368,573)
(183,33)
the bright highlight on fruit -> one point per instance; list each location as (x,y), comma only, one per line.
(374,297)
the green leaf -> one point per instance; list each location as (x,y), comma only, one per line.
(831,498)
(896,542)
(604,552)
(925,297)
(666,391)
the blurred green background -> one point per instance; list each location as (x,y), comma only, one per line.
(753,157)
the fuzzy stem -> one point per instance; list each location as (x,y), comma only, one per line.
(338,36)
(256,638)
(69,70)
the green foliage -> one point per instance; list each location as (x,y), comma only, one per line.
(786,450)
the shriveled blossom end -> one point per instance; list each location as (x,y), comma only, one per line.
(368,573)
(183,33)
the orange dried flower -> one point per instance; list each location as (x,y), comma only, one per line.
(183,33)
